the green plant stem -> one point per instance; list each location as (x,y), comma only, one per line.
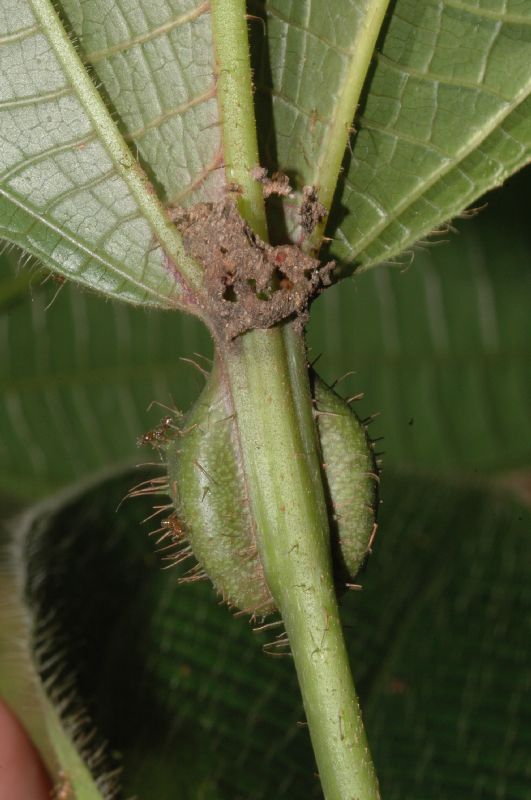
(277,437)
(268,378)
(235,98)
(335,142)
(123,160)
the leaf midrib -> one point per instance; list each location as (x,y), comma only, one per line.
(112,141)
(360,56)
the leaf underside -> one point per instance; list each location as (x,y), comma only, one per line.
(444,115)
(448,116)
(60,195)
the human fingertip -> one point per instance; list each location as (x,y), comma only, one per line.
(22,773)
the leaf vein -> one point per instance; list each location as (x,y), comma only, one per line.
(171,112)
(276,14)
(216,163)
(289,101)
(19,36)
(66,235)
(75,189)
(444,80)
(513,19)
(406,137)
(161,30)
(33,100)
(474,143)
(45,154)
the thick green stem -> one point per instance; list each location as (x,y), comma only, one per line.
(235,98)
(267,373)
(268,378)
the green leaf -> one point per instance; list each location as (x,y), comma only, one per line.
(446,117)
(185,694)
(310,71)
(71,191)
(157,68)
(438,124)
(445,113)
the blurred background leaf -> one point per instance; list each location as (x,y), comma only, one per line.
(441,346)
(78,376)
(191,707)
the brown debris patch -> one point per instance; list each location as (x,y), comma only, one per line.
(249,284)
(277,184)
(311,212)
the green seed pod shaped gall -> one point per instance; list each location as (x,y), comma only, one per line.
(351,480)
(208,489)
(207,486)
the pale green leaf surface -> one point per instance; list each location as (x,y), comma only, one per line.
(61,195)
(305,57)
(301,67)
(445,114)
(439,646)
(156,64)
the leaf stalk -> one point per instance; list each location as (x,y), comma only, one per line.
(339,131)
(235,99)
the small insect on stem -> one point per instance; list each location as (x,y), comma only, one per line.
(158,437)
(170,528)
